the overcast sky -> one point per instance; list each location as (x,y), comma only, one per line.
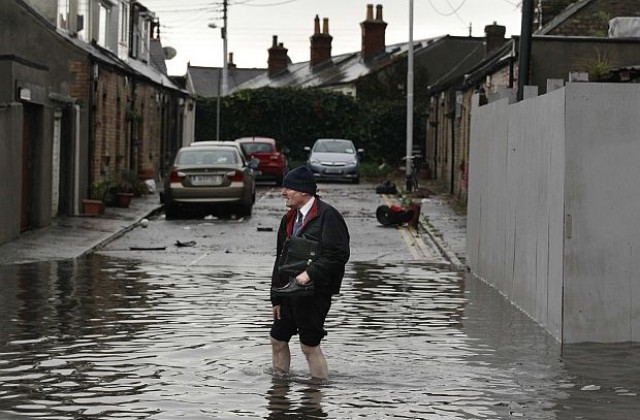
(251,25)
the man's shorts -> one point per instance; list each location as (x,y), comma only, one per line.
(304,316)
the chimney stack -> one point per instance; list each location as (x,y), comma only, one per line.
(494,37)
(320,42)
(373,33)
(278,58)
(230,63)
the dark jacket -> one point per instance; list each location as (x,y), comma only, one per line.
(325,225)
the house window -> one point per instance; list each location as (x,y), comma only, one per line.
(63,14)
(124,22)
(71,17)
(103,24)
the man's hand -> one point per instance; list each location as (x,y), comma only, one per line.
(276,312)
(303,278)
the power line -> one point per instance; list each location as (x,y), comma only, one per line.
(454,11)
(246,3)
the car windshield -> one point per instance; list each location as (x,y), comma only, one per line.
(334,146)
(256,148)
(207,157)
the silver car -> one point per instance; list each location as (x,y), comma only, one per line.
(214,175)
(334,159)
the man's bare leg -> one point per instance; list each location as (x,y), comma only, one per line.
(317,362)
(281,355)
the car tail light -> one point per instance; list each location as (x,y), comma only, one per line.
(235,176)
(176,176)
(275,156)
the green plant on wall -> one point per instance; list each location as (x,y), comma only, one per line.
(602,17)
(598,65)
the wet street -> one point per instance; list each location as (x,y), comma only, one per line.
(182,332)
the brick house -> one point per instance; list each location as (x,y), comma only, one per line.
(571,40)
(80,104)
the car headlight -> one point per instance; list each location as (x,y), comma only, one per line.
(352,162)
(314,161)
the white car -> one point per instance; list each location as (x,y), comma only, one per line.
(335,160)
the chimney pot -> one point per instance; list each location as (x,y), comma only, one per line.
(494,37)
(373,33)
(320,43)
(316,25)
(278,58)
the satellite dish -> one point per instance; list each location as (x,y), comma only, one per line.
(169,53)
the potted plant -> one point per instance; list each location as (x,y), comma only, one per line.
(95,204)
(126,188)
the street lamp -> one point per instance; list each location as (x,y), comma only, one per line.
(409,160)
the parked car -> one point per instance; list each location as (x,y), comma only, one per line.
(214,175)
(334,159)
(273,164)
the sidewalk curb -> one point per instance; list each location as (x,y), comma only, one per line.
(121,232)
(443,248)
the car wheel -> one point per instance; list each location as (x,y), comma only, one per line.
(244,210)
(170,211)
(356,180)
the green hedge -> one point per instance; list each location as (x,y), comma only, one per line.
(296,117)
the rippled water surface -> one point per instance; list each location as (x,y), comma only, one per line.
(102,338)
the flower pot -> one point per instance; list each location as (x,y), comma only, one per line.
(124,199)
(92,207)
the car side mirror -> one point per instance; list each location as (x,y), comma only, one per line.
(360,152)
(306,149)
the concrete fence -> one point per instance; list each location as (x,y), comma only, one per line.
(554,208)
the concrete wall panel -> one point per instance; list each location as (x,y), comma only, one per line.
(519,194)
(602,199)
(487,177)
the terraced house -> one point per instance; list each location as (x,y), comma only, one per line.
(84,98)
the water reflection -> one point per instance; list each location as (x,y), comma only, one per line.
(286,401)
(102,338)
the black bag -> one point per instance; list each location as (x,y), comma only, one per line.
(298,253)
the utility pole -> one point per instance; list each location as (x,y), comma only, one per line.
(225,67)
(524,55)
(409,160)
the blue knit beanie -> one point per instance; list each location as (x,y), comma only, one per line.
(300,179)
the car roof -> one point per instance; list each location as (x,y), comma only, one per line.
(213,143)
(322,140)
(255,139)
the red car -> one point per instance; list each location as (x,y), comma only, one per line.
(273,164)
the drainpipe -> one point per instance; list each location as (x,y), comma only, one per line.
(453,149)
(93,80)
(435,139)
(133,123)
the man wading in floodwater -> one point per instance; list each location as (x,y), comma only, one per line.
(301,297)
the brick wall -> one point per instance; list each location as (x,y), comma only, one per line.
(593,19)
(127,126)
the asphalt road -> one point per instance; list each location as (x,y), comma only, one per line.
(231,241)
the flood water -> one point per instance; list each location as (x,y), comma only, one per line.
(101,338)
